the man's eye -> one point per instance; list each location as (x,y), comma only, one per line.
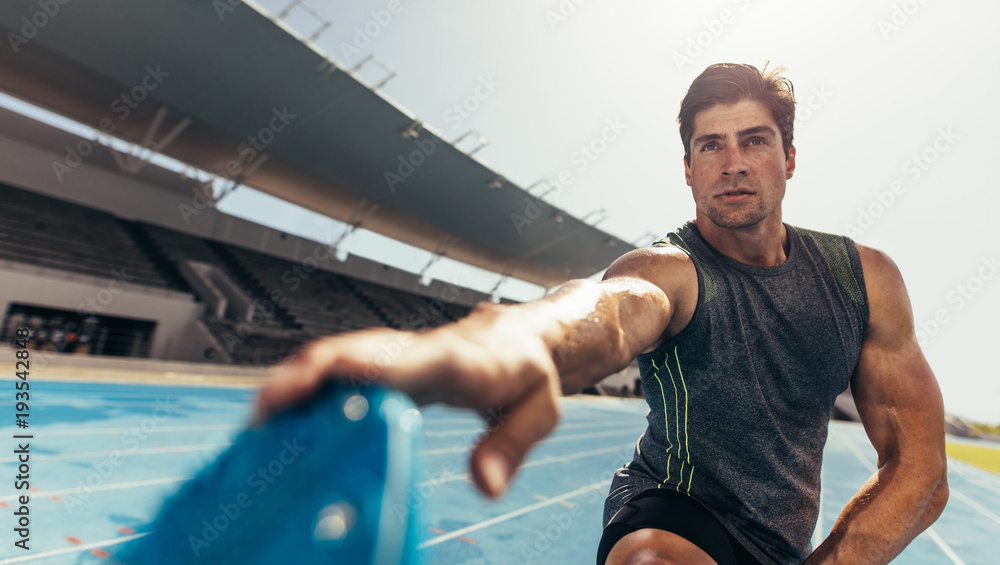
(708,147)
(757,141)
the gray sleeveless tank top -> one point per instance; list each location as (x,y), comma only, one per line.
(740,399)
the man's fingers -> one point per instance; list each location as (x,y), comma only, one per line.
(509,438)
(285,386)
(374,356)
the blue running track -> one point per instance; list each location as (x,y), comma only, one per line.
(104,456)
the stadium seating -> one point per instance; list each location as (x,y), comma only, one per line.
(52,233)
(61,235)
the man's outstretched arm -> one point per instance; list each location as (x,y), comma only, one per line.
(517,359)
(901,407)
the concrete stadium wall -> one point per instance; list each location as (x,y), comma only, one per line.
(173,312)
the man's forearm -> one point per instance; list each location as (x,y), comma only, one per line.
(889,511)
(591,329)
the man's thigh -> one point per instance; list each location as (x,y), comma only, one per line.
(671,526)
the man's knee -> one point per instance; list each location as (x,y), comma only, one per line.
(656,547)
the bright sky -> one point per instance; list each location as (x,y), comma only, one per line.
(893,96)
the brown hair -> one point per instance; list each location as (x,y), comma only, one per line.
(729,83)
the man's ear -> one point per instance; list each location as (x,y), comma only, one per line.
(687,172)
(790,163)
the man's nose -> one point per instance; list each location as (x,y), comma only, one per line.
(734,164)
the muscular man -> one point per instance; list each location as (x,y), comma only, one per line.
(746,330)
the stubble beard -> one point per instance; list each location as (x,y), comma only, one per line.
(743,216)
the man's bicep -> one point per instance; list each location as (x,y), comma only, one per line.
(894,387)
(660,289)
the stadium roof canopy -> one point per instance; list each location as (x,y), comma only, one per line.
(205,87)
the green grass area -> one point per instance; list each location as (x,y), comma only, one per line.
(983,457)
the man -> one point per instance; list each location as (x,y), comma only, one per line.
(746,330)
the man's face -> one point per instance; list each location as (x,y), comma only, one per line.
(737,168)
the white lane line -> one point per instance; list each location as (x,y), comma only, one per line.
(930,529)
(944,546)
(74,549)
(978,507)
(535,463)
(41,431)
(114,486)
(166,450)
(857,453)
(514,514)
(466,447)
(978,476)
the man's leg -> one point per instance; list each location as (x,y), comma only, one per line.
(650,546)
(665,527)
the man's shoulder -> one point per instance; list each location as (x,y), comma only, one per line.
(652,261)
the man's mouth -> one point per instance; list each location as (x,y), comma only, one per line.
(735,195)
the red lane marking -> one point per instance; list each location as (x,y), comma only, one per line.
(126,530)
(55,498)
(36,489)
(74,540)
(3,504)
(100,553)
(437,531)
(467,540)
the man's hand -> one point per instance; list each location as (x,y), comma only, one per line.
(472,364)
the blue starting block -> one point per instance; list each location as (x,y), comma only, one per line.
(329,482)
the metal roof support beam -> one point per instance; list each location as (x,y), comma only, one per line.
(507,271)
(360,214)
(483,142)
(390,74)
(134,161)
(440,251)
(645,239)
(600,215)
(412,131)
(324,24)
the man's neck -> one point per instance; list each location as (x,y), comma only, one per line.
(763,245)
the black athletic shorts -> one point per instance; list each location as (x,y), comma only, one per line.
(678,513)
